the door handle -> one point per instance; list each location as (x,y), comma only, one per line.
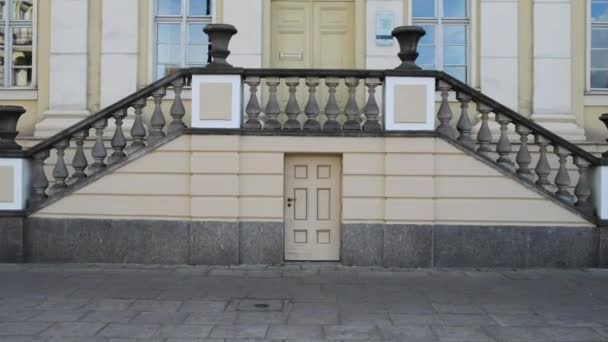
(289,200)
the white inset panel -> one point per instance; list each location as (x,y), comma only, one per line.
(301,171)
(323,171)
(323,237)
(395,116)
(323,204)
(300,236)
(198,103)
(15,171)
(300,205)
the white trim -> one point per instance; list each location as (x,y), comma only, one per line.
(237,95)
(20,182)
(600,191)
(389,103)
(18,94)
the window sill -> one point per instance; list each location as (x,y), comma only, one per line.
(596,98)
(18,94)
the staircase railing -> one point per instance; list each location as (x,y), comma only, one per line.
(500,150)
(77,134)
(356,115)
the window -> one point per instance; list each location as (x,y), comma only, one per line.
(180,41)
(598,59)
(16,43)
(446,44)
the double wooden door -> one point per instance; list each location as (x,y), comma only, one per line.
(313,34)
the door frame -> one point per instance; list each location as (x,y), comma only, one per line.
(360,30)
(340,157)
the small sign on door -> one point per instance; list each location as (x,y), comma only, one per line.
(385,21)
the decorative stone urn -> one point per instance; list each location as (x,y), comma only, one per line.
(219,37)
(408,38)
(604,119)
(9,116)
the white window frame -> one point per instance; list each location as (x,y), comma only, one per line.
(8,46)
(589,26)
(183,20)
(439,23)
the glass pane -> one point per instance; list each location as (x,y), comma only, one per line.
(196,34)
(199,7)
(427,55)
(22,36)
(454,8)
(454,55)
(599,59)
(163,69)
(599,38)
(457,72)
(23,9)
(599,79)
(169,33)
(169,7)
(168,54)
(454,34)
(423,8)
(22,56)
(599,12)
(2,9)
(427,66)
(197,54)
(429,37)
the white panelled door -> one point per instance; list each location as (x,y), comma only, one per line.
(312,207)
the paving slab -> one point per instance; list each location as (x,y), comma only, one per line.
(299,302)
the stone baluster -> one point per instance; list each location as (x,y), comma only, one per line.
(332,110)
(444,115)
(562,178)
(371,109)
(583,187)
(253,108)
(352,109)
(39,181)
(503,148)
(272,110)
(524,159)
(99,152)
(464,122)
(292,110)
(484,136)
(157,121)
(60,171)
(119,143)
(177,107)
(80,163)
(138,131)
(312,109)
(543,169)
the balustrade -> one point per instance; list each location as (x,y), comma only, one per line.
(327,116)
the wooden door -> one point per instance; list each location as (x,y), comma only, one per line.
(312,207)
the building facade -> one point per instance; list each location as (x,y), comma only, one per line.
(543,58)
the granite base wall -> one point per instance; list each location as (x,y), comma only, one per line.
(471,246)
(11,239)
(230,243)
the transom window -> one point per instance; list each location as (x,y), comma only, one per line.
(446,43)
(598,61)
(180,41)
(16,43)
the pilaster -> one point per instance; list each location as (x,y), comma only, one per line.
(68,66)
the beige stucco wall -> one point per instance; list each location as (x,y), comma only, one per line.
(385,180)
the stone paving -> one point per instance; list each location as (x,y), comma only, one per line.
(299,302)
